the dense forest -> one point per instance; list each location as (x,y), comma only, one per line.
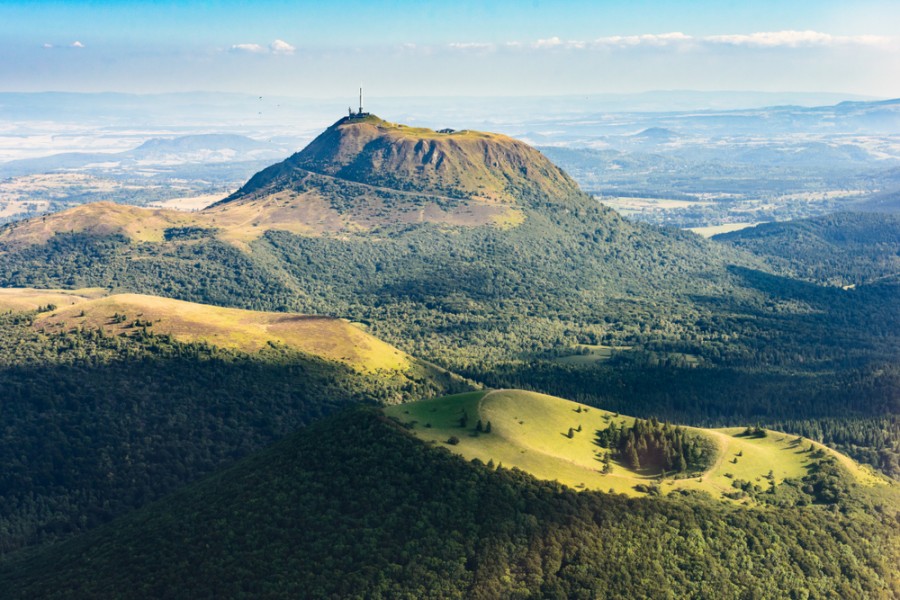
(355,507)
(842,249)
(96,425)
(657,447)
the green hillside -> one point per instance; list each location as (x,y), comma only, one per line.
(558,440)
(356,507)
(699,331)
(112,402)
(245,330)
(844,249)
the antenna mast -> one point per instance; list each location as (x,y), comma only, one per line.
(360,100)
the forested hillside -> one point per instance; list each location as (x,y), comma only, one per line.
(843,249)
(355,507)
(96,424)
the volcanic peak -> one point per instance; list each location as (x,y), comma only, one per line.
(454,165)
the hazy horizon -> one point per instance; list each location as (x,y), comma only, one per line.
(403,48)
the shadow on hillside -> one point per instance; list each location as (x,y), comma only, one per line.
(86,441)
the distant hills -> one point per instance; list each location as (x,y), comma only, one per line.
(205,148)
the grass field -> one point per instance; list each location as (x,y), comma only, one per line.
(190,203)
(711,230)
(326,337)
(585,354)
(530,431)
(98,218)
(28,299)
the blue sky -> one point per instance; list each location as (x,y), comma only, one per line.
(451,48)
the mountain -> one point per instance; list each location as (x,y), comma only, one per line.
(365,171)
(200,148)
(359,174)
(656,135)
(112,401)
(356,507)
(209,142)
(462,164)
(510,276)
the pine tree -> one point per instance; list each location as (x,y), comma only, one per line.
(631,457)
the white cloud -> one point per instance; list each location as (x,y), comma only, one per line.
(47,45)
(281,47)
(249,48)
(77,44)
(553,42)
(795,39)
(621,41)
(677,41)
(647,39)
(471,46)
(765,39)
(277,47)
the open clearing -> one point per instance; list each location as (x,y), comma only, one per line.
(628,205)
(711,230)
(586,354)
(190,203)
(529,431)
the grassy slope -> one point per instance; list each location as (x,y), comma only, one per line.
(529,431)
(28,299)
(99,218)
(249,331)
(245,330)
